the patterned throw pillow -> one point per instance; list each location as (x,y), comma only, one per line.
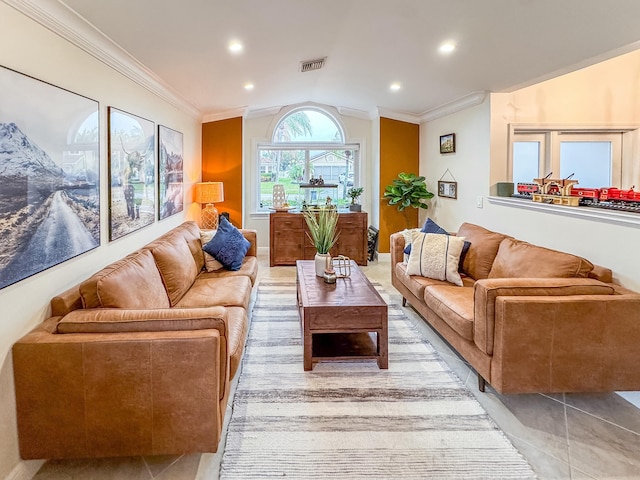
(228,245)
(436,256)
(210,263)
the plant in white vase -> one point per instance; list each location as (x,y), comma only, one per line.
(323,234)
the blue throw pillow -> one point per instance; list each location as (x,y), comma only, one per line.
(228,245)
(429,227)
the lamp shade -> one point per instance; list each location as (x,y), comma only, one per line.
(209,192)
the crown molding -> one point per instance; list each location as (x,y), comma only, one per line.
(400,116)
(66,23)
(225,115)
(354,113)
(462,103)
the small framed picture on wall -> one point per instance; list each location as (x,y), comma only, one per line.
(448,189)
(448,143)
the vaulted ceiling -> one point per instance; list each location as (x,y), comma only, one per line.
(500,45)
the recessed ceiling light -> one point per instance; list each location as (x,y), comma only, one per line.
(447,47)
(395,86)
(235,46)
(249,86)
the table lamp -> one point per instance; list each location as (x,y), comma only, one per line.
(209,193)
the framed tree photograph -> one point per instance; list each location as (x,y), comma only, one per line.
(132,171)
(448,143)
(447,189)
(50,175)
(170,172)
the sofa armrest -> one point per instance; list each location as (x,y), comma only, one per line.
(487,291)
(252,236)
(578,343)
(397,245)
(118,394)
(114,320)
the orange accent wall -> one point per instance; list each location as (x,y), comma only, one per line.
(399,152)
(222,162)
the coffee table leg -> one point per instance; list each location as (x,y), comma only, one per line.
(383,348)
(308,346)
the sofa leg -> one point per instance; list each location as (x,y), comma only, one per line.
(481,383)
(404,302)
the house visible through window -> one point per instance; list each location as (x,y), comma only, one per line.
(308,147)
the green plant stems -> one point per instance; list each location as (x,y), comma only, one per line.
(322,228)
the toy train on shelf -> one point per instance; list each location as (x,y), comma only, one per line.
(563,192)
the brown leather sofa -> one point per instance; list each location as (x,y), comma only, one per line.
(530,319)
(137,359)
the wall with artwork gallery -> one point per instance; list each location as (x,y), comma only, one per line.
(95,164)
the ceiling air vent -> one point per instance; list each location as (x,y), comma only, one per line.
(316,64)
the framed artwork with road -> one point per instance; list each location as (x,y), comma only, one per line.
(50,175)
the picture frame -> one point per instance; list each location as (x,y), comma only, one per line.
(448,143)
(170,172)
(50,175)
(448,189)
(132,172)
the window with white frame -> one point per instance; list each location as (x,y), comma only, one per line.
(591,157)
(307,143)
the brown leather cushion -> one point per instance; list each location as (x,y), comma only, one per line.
(484,247)
(516,258)
(176,265)
(224,291)
(132,282)
(143,320)
(454,305)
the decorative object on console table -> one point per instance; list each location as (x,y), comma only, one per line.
(322,233)
(354,193)
(209,193)
(448,143)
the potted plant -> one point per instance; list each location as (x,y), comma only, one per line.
(354,193)
(408,190)
(322,225)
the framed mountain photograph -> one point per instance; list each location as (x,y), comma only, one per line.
(50,175)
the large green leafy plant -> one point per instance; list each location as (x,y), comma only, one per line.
(322,225)
(408,190)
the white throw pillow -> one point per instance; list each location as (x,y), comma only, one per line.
(434,255)
(210,263)
(407,233)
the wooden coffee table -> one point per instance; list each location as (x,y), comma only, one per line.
(345,320)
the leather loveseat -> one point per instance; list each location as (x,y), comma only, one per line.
(137,359)
(530,319)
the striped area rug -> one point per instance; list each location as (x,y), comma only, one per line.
(350,420)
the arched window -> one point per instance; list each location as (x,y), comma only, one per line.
(310,157)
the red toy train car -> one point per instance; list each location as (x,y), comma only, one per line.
(588,195)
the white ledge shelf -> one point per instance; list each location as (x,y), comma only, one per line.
(589,213)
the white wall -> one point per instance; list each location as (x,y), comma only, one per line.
(256,130)
(603,94)
(34,50)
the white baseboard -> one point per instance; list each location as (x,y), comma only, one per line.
(25,470)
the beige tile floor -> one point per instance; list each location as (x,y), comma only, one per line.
(577,437)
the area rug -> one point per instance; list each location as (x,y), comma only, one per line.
(351,420)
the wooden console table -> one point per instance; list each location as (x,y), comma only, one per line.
(288,240)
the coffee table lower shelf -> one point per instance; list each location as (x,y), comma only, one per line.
(342,321)
(344,346)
